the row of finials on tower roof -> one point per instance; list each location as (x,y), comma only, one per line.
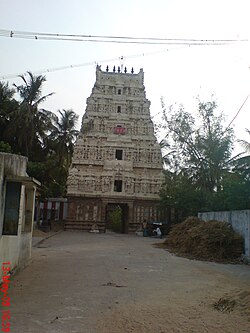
(119,69)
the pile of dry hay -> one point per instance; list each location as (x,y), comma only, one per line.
(212,240)
(240,301)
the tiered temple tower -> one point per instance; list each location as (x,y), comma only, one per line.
(117,160)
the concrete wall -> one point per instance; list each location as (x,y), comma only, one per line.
(239,219)
(16,248)
(2,192)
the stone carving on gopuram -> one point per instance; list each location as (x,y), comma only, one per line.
(116,159)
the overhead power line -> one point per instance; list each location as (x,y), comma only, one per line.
(237,113)
(115,39)
(90,63)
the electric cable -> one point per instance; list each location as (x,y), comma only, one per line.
(90,63)
(237,113)
(115,39)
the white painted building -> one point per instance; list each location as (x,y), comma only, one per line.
(17,205)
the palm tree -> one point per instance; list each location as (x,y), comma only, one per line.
(242,164)
(64,135)
(245,144)
(8,105)
(32,124)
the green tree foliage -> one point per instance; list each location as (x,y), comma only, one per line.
(180,193)
(235,193)
(32,124)
(200,171)
(64,134)
(53,171)
(115,218)
(45,138)
(8,107)
(52,176)
(199,146)
(5,147)
(245,144)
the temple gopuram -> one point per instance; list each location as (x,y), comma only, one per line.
(117,161)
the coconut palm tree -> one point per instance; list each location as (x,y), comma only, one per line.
(31,123)
(245,144)
(242,164)
(8,105)
(63,135)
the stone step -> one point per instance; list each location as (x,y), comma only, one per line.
(85,226)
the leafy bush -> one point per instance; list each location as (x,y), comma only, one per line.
(5,147)
(115,218)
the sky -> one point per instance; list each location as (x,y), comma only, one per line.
(178,73)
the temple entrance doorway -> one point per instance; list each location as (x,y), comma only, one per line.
(117,217)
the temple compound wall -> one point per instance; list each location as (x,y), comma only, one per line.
(117,160)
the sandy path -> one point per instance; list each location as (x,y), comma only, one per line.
(86,283)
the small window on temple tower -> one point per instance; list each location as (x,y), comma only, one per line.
(119,91)
(118,154)
(119,109)
(118,186)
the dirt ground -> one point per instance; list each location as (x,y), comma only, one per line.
(110,283)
